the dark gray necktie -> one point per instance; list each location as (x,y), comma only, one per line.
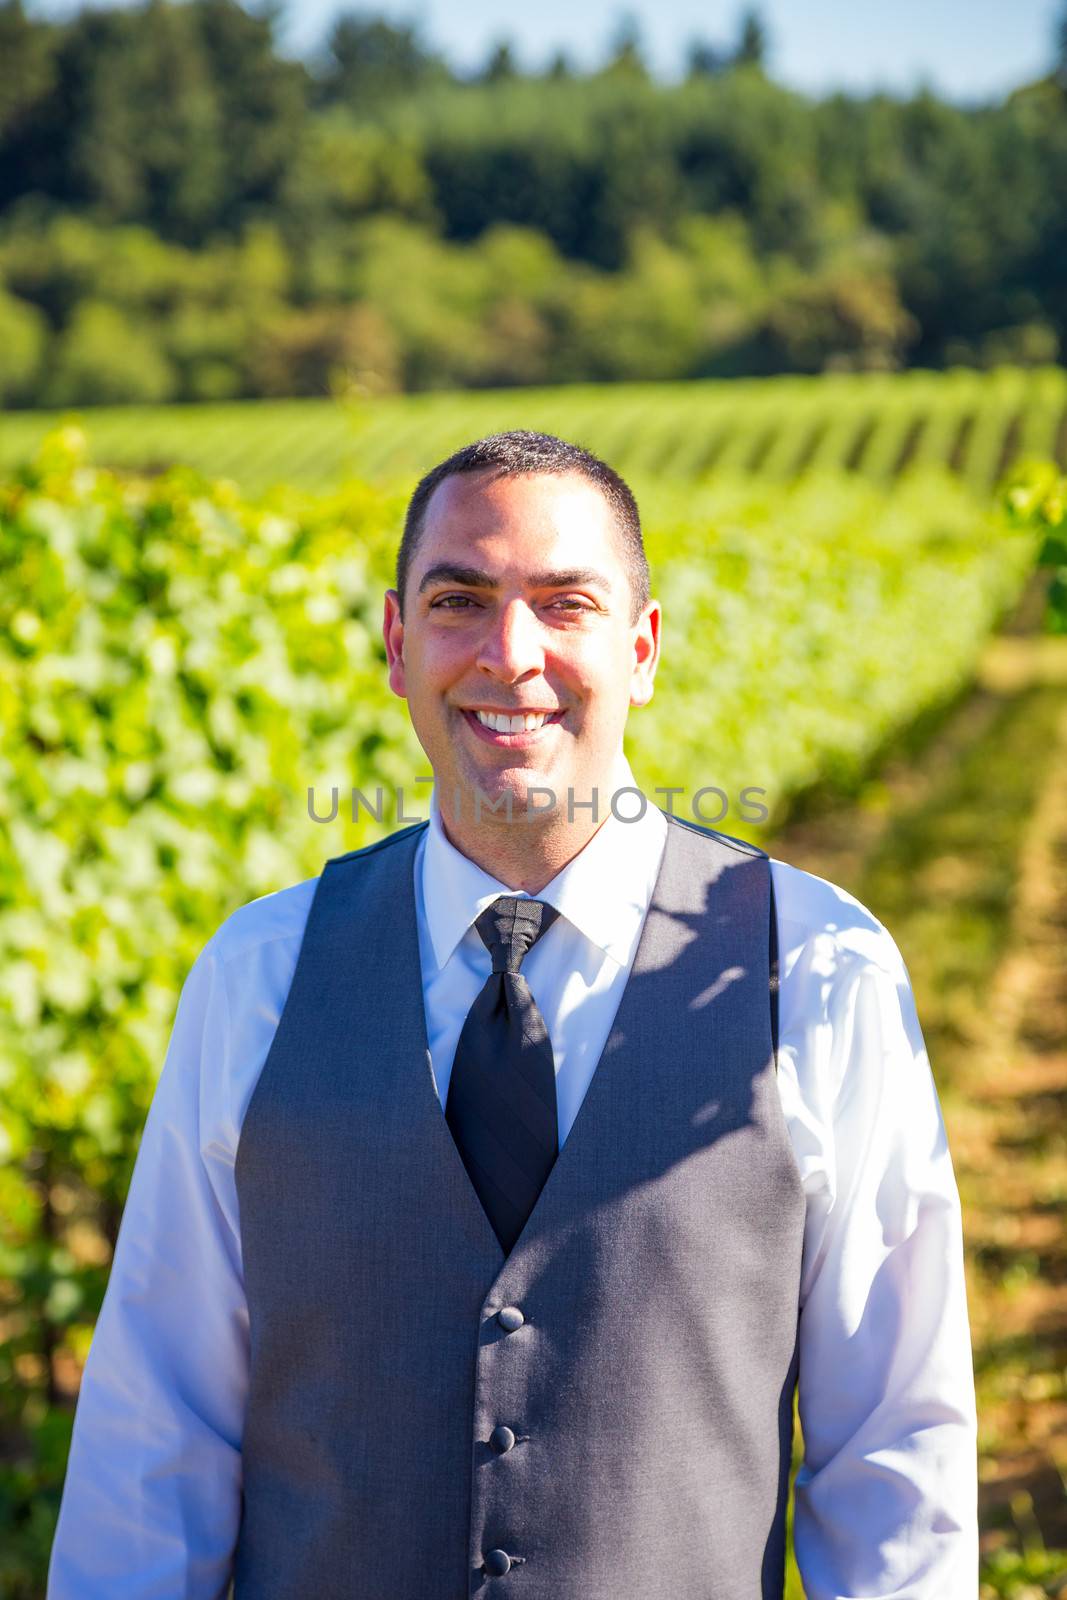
(501,1104)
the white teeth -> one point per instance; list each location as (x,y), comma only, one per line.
(520,724)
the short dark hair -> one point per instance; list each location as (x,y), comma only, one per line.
(520,452)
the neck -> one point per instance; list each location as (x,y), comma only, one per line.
(527,853)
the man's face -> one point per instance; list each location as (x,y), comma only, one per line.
(518,602)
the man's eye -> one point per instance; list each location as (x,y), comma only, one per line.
(461,602)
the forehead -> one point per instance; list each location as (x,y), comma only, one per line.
(518,519)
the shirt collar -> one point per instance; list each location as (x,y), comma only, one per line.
(604,891)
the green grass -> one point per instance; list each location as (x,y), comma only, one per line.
(879,425)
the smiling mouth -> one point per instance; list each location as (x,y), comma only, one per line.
(512,730)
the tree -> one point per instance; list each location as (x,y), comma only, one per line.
(263,99)
(704,60)
(752,42)
(182,116)
(23,338)
(162,126)
(26,81)
(626,57)
(25,63)
(500,66)
(372,60)
(104,357)
(559,67)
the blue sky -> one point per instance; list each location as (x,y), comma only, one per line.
(966,49)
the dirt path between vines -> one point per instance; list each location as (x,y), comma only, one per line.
(962,852)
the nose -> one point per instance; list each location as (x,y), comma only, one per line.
(511,648)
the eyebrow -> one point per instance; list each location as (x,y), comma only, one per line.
(477,578)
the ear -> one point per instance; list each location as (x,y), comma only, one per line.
(646,653)
(393,634)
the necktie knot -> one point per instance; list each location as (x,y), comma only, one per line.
(510,927)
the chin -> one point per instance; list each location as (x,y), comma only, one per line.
(516,781)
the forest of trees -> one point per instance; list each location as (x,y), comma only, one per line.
(186,213)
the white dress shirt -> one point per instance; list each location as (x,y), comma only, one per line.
(886,1497)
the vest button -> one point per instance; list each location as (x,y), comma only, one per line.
(501,1439)
(497,1562)
(510,1318)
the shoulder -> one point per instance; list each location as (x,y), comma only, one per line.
(813,914)
(401,836)
(280,918)
(276,918)
(713,836)
(852,1055)
(815,918)
(849,1026)
(823,923)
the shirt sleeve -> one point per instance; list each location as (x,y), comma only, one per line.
(885,1500)
(152,1497)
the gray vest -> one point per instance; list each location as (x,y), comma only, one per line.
(608,1410)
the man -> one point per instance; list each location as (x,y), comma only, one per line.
(501,1182)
